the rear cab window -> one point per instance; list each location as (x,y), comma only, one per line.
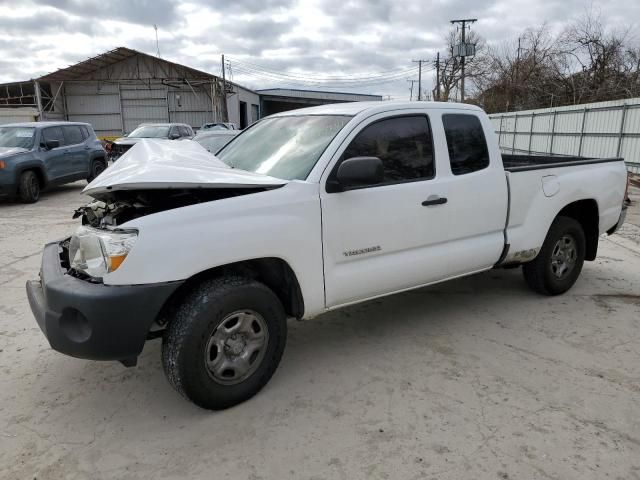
(404,144)
(466,143)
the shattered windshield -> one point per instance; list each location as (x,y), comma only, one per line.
(21,137)
(283,147)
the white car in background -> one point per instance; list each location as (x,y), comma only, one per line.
(219,126)
(214,140)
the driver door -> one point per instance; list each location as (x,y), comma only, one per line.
(379,239)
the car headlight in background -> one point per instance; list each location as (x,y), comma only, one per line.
(98,252)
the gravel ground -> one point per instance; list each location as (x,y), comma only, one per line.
(476,378)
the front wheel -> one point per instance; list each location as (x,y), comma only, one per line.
(224,342)
(559,263)
(28,187)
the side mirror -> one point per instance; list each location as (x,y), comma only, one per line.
(358,172)
(173,136)
(51,144)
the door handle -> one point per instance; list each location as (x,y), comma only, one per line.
(434,200)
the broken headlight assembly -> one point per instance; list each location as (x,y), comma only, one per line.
(97,252)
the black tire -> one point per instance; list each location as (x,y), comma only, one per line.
(29,187)
(97,167)
(542,274)
(195,321)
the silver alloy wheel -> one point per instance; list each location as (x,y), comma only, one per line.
(236,347)
(563,257)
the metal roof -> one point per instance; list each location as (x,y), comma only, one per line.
(318,94)
(79,70)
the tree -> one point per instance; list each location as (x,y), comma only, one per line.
(586,62)
(451,67)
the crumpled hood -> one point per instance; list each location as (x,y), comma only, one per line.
(7,151)
(157,164)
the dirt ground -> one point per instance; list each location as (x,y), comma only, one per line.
(477,378)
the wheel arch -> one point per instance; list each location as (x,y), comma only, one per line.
(273,272)
(586,213)
(37,169)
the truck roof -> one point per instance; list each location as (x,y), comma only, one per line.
(355,108)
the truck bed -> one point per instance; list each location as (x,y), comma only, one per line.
(521,163)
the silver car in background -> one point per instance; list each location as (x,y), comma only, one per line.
(214,140)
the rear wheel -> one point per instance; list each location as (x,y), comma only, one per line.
(559,263)
(224,342)
(97,167)
(29,187)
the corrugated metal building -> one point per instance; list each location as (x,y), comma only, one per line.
(122,88)
(276,100)
(602,129)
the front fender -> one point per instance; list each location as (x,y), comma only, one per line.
(281,223)
(30,163)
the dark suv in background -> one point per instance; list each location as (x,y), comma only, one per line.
(37,155)
(168,131)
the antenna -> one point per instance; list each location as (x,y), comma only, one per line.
(155,27)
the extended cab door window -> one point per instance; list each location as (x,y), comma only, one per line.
(403,144)
(466,143)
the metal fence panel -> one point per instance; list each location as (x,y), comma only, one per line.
(603,129)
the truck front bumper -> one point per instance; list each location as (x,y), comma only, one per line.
(93,320)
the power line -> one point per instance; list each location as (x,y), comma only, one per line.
(314,81)
(371,76)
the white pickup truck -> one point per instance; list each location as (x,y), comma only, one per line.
(306,211)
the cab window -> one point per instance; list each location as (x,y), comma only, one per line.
(467,146)
(403,144)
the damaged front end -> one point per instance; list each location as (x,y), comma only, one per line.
(116,208)
(155,175)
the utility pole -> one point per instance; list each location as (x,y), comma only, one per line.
(155,27)
(463,22)
(514,81)
(411,89)
(419,62)
(224,78)
(438,77)
(225,113)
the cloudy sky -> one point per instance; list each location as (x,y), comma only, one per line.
(309,40)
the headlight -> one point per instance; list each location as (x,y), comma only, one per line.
(98,252)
